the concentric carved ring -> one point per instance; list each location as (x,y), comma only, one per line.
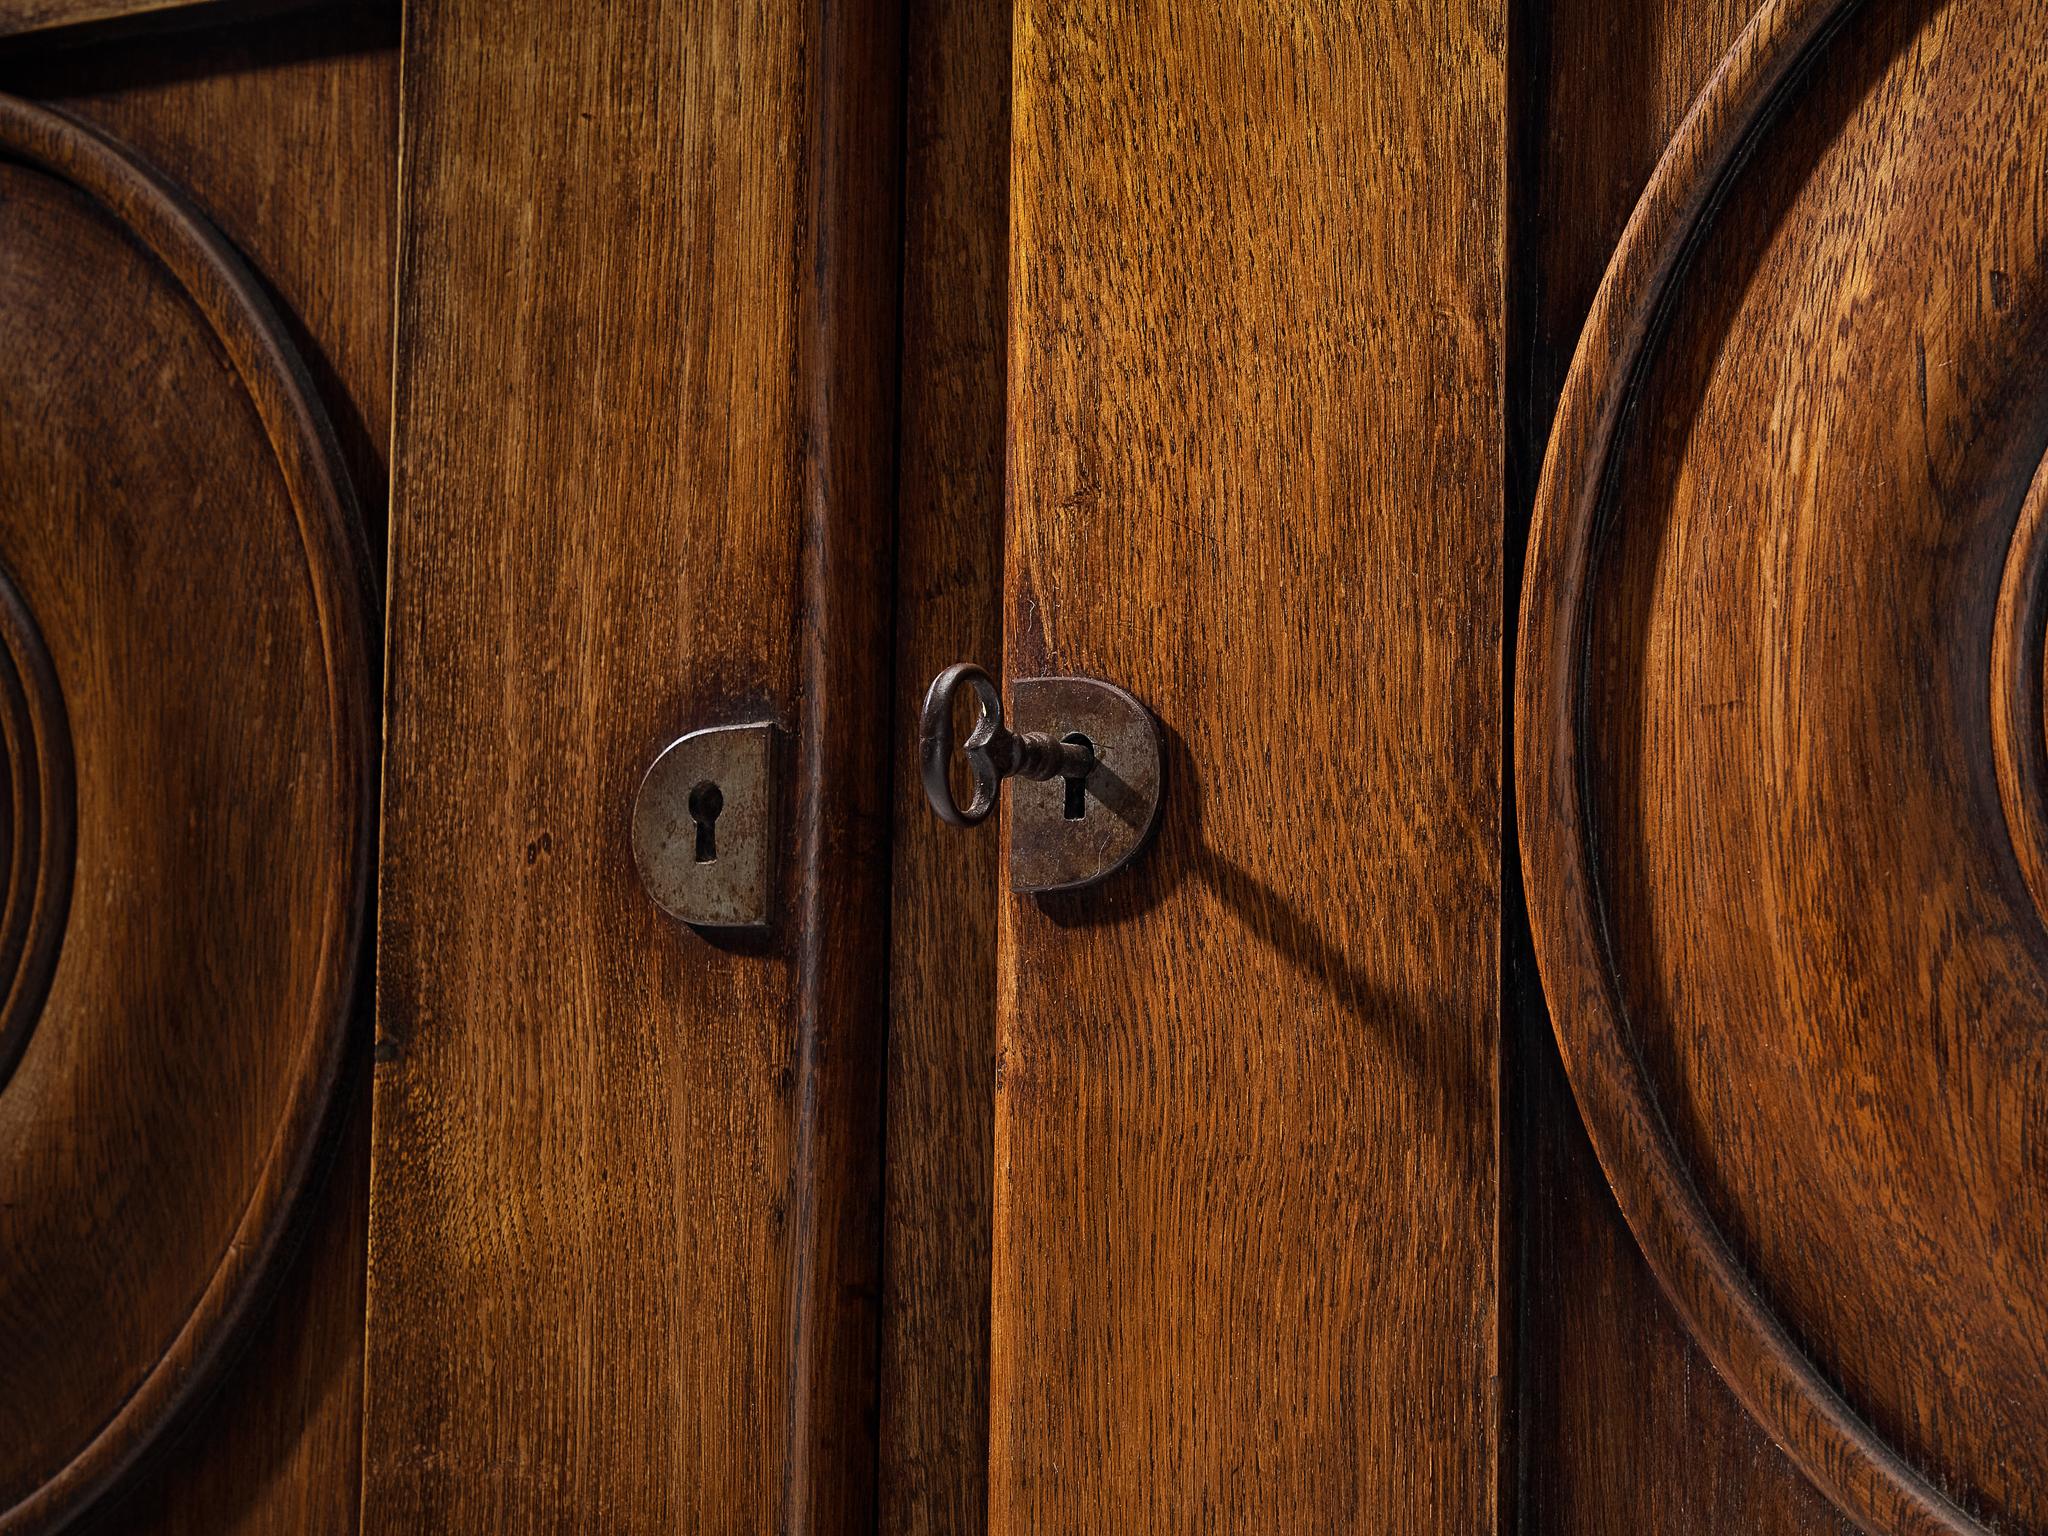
(37,831)
(2019,682)
(1779,745)
(188,726)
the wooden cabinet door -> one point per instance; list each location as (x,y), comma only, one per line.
(413,418)
(1245,1251)
(626,1177)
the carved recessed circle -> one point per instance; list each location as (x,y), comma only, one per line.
(37,832)
(2019,682)
(1778,739)
(188,728)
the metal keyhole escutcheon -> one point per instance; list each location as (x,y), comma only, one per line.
(1084,758)
(704,826)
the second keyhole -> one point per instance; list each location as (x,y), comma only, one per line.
(706,801)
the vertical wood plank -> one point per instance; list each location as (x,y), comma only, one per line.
(1622,1425)
(284,132)
(1246,1172)
(942,977)
(625,1179)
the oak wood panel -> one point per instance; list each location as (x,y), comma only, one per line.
(1804,1039)
(310,202)
(949,582)
(1622,1424)
(625,1179)
(163,1121)
(1246,1174)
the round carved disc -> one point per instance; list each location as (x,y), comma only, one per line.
(1779,744)
(187,729)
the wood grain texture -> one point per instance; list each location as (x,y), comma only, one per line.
(1246,1174)
(949,584)
(1804,1039)
(624,1264)
(1621,1423)
(175,1098)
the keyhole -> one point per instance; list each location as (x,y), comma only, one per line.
(1077,789)
(706,801)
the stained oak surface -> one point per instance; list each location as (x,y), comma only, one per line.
(946,884)
(624,1264)
(1245,1173)
(1808,1045)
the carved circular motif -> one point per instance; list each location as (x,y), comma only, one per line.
(188,727)
(37,832)
(1779,745)
(2019,681)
